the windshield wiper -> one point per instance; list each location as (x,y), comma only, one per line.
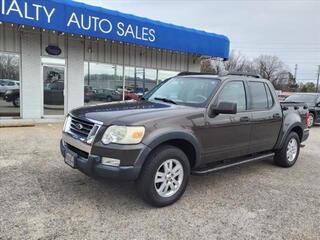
(165,100)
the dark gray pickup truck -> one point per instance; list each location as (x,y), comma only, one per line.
(189,124)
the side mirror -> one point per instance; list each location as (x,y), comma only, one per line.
(224,108)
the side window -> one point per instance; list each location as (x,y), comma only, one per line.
(269,96)
(234,92)
(258,96)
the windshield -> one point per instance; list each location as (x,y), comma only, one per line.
(307,98)
(189,91)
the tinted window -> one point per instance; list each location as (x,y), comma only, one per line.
(307,98)
(259,100)
(269,96)
(234,92)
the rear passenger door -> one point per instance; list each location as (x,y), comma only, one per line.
(266,117)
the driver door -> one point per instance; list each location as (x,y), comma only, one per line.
(228,135)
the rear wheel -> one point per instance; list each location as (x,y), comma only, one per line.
(16,102)
(311,120)
(109,99)
(289,153)
(164,176)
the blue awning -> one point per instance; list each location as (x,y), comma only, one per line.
(78,18)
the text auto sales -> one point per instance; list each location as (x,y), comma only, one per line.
(37,12)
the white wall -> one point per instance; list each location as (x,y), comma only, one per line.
(31,80)
(75,74)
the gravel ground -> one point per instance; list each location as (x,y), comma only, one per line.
(42,198)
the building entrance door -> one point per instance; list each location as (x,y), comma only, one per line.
(53,90)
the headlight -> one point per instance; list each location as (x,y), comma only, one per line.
(67,124)
(123,135)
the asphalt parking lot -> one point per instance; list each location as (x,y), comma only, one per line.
(42,198)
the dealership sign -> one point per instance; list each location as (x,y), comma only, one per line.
(78,18)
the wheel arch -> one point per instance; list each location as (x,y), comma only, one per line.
(185,141)
(297,127)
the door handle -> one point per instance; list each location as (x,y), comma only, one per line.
(276,116)
(244,119)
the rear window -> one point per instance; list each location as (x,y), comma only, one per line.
(307,98)
(258,96)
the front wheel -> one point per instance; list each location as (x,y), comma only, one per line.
(164,176)
(289,153)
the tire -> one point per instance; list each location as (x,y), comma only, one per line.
(16,102)
(109,99)
(311,120)
(283,157)
(150,189)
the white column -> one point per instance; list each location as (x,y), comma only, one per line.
(75,74)
(31,79)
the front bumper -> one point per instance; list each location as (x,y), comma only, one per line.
(89,163)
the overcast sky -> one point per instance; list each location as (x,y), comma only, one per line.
(286,28)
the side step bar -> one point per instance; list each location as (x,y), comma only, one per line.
(204,171)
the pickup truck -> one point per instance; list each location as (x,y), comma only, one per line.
(313,102)
(188,124)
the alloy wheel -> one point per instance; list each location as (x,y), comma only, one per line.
(168,178)
(292,149)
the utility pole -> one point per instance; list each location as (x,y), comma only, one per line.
(317,87)
(295,72)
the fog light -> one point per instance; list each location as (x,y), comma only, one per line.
(110,161)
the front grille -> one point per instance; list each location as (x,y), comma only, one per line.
(80,127)
(78,151)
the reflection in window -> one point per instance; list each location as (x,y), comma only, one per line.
(53,88)
(103,83)
(150,79)
(234,92)
(139,81)
(9,85)
(163,75)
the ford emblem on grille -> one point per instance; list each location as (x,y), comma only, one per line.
(79,126)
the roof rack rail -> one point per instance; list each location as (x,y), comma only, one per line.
(247,74)
(194,73)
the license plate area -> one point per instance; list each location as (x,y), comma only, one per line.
(70,159)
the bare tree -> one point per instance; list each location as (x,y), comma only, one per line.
(269,67)
(9,67)
(238,62)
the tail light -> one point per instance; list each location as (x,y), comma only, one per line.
(307,118)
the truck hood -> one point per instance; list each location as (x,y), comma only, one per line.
(130,112)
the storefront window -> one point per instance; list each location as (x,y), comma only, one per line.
(9,85)
(150,79)
(139,81)
(163,75)
(103,83)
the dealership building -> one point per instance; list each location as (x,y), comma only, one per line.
(58,55)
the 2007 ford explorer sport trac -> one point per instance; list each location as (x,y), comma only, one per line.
(188,124)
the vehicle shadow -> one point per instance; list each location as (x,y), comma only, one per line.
(123,194)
